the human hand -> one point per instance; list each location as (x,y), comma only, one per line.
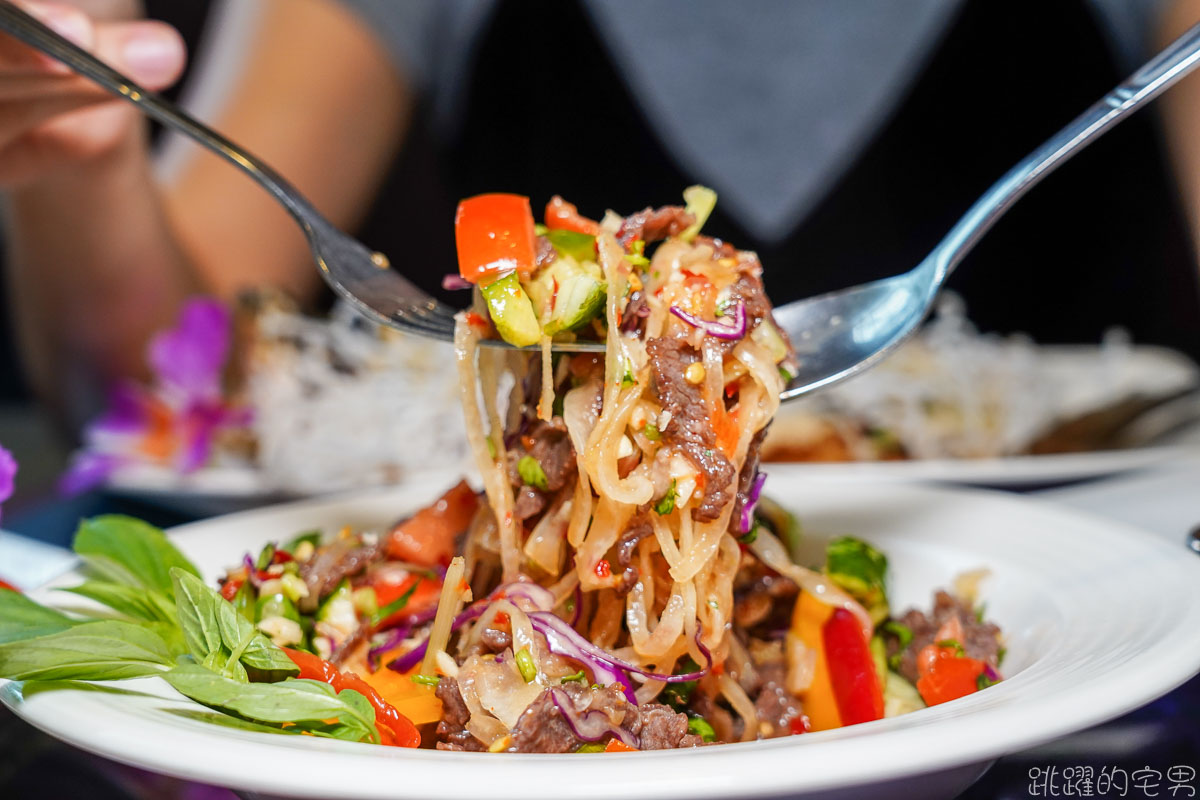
(49,116)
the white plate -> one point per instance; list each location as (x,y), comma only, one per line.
(1100,619)
(1010,472)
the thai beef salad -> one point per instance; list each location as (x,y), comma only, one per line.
(621,583)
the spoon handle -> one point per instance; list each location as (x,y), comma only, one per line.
(32,32)
(1155,76)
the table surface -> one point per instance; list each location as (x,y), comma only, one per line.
(1151,752)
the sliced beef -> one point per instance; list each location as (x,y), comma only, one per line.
(549,443)
(690,429)
(342,558)
(654,224)
(633,318)
(746,480)
(721,248)
(496,640)
(529,503)
(451,732)
(542,728)
(777,708)
(980,640)
(639,528)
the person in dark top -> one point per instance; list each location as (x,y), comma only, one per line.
(844,140)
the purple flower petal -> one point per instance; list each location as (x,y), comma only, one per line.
(8,471)
(189,358)
(87,471)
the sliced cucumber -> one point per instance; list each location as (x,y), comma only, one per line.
(511,311)
(568,294)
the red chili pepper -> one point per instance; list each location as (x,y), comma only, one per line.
(394,727)
(945,674)
(494,234)
(603,569)
(799,725)
(851,669)
(564,216)
(229,589)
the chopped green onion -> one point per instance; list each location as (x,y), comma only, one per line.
(700,727)
(786,374)
(666,503)
(651,432)
(627,378)
(426,680)
(578,677)
(531,472)
(751,535)
(904,636)
(590,747)
(525,665)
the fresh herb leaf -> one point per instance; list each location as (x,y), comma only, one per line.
(214,630)
(22,618)
(312,537)
(127,550)
(265,557)
(106,650)
(138,603)
(678,695)
(304,703)
(651,432)
(531,472)
(666,503)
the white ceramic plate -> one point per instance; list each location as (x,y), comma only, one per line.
(1100,619)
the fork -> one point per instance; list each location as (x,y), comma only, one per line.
(836,335)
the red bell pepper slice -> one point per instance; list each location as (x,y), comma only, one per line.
(851,669)
(563,216)
(394,728)
(494,234)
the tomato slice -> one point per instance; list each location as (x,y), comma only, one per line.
(945,675)
(424,597)
(427,537)
(494,234)
(564,216)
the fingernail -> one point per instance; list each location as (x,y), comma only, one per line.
(151,56)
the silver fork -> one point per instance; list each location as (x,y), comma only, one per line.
(836,335)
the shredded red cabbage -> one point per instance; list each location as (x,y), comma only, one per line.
(251,572)
(591,725)
(452,282)
(413,657)
(541,597)
(720,330)
(752,502)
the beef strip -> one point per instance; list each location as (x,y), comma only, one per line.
(451,732)
(746,480)
(541,728)
(690,429)
(776,706)
(341,559)
(529,503)
(980,640)
(497,641)
(549,443)
(721,248)
(654,224)
(633,318)
(639,528)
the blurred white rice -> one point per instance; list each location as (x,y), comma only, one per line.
(341,403)
(954,392)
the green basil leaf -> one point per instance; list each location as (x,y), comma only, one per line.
(22,618)
(196,609)
(127,550)
(129,600)
(292,700)
(90,651)
(266,662)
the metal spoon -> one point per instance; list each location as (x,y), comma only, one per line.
(836,335)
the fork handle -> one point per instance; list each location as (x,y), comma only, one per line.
(1152,79)
(32,32)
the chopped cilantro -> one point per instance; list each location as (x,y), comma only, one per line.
(531,472)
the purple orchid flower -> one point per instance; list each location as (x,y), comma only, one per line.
(174,422)
(8,471)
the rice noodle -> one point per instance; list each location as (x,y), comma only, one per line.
(448,605)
